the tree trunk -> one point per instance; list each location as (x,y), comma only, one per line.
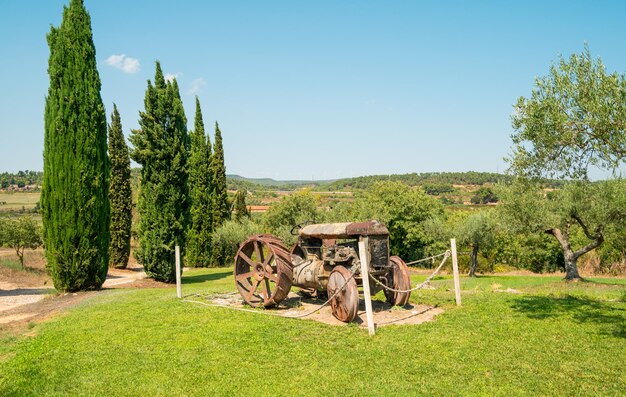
(20,255)
(474,258)
(571,267)
(571,256)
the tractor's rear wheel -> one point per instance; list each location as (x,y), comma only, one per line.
(398,278)
(263,270)
(346,303)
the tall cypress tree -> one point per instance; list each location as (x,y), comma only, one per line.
(221,209)
(74,196)
(200,192)
(119,194)
(161,146)
(240,209)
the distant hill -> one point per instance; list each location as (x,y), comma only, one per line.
(431,181)
(241,182)
(422,179)
(275,183)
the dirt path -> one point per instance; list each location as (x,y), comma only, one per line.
(28,296)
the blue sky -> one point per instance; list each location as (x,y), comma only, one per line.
(315,89)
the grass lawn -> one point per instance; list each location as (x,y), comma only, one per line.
(551,339)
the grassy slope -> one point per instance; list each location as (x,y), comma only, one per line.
(554,339)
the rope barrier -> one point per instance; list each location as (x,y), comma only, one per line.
(426,259)
(420,286)
(320,307)
(446,255)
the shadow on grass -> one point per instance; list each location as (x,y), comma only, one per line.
(201,278)
(610,318)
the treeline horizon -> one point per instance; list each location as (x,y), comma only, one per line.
(236,182)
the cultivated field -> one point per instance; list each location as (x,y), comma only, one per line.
(15,201)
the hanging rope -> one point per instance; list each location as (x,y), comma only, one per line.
(427,259)
(420,286)
(320,307)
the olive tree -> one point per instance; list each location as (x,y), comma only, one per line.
(592,207)
(575,119)
(19,234)
(476,231)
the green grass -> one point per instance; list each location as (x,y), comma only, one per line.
(552,339)
(10,263)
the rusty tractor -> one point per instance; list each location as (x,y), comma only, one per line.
(326,262)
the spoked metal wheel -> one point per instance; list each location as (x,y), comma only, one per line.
(399,279)
(263,270)
(346,303)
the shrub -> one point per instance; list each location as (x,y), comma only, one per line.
(226,239)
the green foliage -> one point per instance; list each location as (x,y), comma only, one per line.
(597,205)
(404,210)
(74,198)
(574,119)
(221,209)
(20,233)
(201,194)
(120,194)
(536,252)
(240,209)
(580,208)
(20,178)
(437,189)
(477,231)
(425,179)
(296,209)
(161,146)
(484,195)
(227,238)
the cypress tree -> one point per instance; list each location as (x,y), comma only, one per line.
(221,209)
(240,209)
(200,187)
(74,196)
(161,146)
(119,194)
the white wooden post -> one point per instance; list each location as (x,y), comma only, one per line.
(455,272)
(179,287)
(366,285)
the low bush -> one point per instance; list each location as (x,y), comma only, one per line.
(226,239)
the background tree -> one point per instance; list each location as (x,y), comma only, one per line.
(296,209)
(20,233)
(484,195)
(120,194)
(221,209)
(404,210)
(575,119)
(240,209)
(74,196)
(476,231)
(588,207)
(161,146)
(200,192)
